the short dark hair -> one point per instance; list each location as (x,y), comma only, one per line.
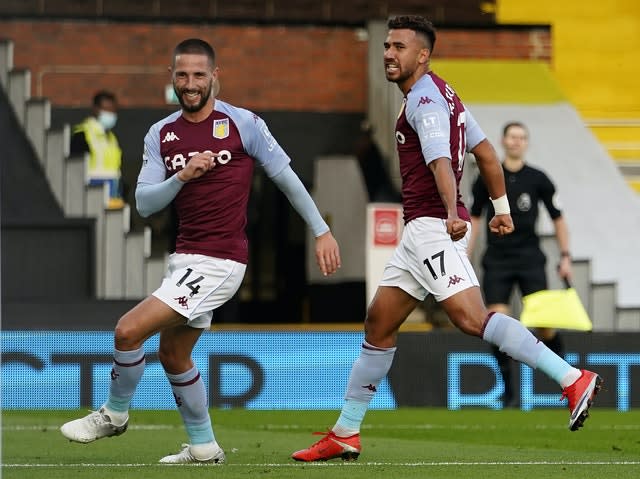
(416,23)
(195,46)
(101,96)
(513,124)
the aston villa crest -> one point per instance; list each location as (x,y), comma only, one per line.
(221,128)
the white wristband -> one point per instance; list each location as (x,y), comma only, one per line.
(501,205)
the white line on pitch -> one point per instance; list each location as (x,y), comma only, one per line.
(353,464)
(466,427)
(141,427)
(463,427)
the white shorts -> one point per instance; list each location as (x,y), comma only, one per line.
(428,261)
(196,284)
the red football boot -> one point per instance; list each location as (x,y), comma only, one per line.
(330,447)
(580,395)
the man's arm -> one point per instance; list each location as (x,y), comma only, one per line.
(327,251)
(261,145)
(562,237)
(548,195)
(493,177)
(490,169)
(153,197)
(446,183)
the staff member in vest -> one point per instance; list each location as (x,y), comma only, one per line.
(95,136)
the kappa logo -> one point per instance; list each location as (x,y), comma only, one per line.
(453,280)
(114,374)
(182,301)
(425,100)
(170,136)
(370,387)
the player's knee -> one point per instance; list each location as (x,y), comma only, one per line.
(126,337)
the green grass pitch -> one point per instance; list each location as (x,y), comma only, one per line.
(403,443)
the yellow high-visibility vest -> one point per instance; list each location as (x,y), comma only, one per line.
(105,155)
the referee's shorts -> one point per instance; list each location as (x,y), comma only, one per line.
(500,277)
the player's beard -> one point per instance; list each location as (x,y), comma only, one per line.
(204,98)
(399,77)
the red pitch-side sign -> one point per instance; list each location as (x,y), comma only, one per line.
(385,227)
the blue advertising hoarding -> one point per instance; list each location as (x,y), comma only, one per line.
(266,370)
(304,370)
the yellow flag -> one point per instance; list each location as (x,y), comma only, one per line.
(555,308)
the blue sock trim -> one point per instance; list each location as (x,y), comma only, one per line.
(553,365)
(352,414)
(116,404)
(200,433)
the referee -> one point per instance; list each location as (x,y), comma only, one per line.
(516,259)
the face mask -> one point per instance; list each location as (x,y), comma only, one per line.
(107,119)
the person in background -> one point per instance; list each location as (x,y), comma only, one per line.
(201,159)
(517,259)
(433,131)
(95,136)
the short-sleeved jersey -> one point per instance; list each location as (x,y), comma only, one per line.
(433,123)
(526,188)
(212,209)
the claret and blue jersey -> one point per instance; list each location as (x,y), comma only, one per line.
(433,123)
(213,208)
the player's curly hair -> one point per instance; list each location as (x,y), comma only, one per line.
(416,23)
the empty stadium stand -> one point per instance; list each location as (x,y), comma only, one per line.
(61,248)
(593,47)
